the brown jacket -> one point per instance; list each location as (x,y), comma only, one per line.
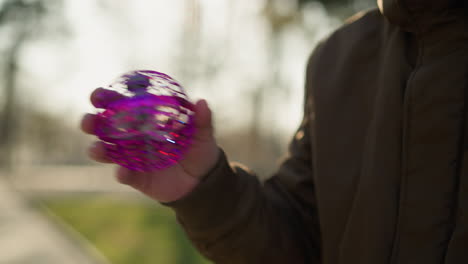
(377,172)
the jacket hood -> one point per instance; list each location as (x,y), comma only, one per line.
(420,15)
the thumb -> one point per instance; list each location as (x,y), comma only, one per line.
(203,121)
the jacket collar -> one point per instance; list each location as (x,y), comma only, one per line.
(422,15)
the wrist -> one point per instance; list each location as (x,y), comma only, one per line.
(212,159)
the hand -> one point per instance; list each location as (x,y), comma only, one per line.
(174,182)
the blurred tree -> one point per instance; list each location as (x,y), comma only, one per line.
(21,22)
(325,2)
(190,40)
(331,4)
(44,139)
(281,16)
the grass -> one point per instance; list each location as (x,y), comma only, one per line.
(127,232)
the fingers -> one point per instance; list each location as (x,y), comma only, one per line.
(203,121)
(101,97)
(98,152)
(88,123)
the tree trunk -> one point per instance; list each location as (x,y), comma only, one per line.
(8,122)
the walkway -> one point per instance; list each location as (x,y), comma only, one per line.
(28,237)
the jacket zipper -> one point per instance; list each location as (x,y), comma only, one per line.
(405,134)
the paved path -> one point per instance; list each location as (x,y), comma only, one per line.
(68,179)
(28,237)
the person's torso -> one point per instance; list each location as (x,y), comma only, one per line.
(389,140)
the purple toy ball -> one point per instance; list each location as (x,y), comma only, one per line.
(152,126)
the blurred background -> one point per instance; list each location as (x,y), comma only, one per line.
(246,57)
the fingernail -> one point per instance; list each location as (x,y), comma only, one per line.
(96,144)
(98,97)
(101,99)
(93,149)
(204,102)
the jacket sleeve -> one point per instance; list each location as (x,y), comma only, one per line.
(233,218)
